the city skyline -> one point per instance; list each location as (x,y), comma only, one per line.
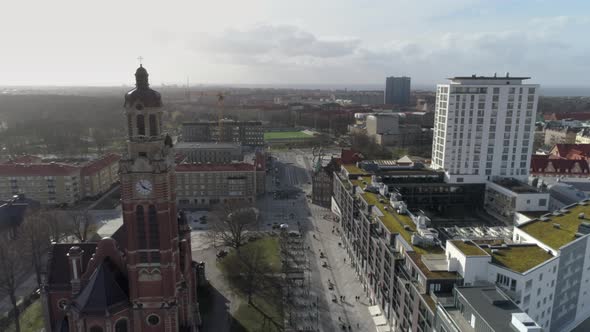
(264,42)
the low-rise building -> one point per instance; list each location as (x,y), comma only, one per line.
(99,175)
(203,185)
(207,152)
(560,135)
(505,196)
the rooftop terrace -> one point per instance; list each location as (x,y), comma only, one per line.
(518,258)
(397,223)
(354,170)
(546,232)
(469,248)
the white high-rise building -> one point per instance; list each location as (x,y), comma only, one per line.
(484,127)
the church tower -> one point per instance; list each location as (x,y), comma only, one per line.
(161,273)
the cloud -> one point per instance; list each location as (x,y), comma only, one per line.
(275,43)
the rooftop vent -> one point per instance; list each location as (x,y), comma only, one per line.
(558,226)
(544,219)
(581,216)
(494,251)
(584,228)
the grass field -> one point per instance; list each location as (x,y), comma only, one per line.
(31,320)
(285,135)
(265,313)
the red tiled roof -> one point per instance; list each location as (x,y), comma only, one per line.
(582,116)
(541,162)
(51,169)
(97,165)
(214,167)
(350,156)
(26,159)
(571,151)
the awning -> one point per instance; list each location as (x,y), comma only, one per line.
(375,310)
(380,320)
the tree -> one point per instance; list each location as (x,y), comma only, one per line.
(79,225)
(11,263)
(56,225)
(35,239)
(232,222)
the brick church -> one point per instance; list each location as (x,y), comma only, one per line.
(143,278)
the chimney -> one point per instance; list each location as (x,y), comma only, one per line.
(75,259)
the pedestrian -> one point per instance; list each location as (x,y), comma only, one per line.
(338,318)
(349,328)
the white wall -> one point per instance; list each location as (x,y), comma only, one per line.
(472,268)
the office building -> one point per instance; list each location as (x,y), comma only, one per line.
(248,133)
(484,127)
(203,185)
(208,152)
(397,91)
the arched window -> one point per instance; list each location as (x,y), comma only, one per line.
(139,214)
(153,125)
(96,329)
(121,325)
(140,124)
(154,232)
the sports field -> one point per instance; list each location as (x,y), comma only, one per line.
(285,135)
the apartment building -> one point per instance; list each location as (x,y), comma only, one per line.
(484,127)
(560,135)
(397,90)
(58,183)
(248,133)
(47,183)
(408,270)
(202,185)
(99,175)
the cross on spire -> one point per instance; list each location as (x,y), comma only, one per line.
(140,58)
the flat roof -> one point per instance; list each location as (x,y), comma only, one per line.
(503,78)
(516,186)
(206,145)
(518,258)
(493,307)
(544,230)
(468,248)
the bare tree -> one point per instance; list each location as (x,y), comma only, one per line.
(79,225)
(56,225)
(35,235)
(232,223)
(11,264)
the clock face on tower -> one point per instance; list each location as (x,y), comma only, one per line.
(143,187)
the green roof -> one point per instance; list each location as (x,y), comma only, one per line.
(519,258)
(359,183)
(354,170)
(395,222)
(285,135)
(554,237)
(468,248)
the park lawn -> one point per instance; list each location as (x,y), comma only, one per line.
(268,247)
(31,320)
(285,135)
(248,318)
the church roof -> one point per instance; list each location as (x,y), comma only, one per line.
(57,273)
(142,92)
(106,289)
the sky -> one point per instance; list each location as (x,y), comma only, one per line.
(97,43)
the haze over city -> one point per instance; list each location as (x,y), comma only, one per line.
(293,42)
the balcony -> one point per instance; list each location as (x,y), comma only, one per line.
(445,299)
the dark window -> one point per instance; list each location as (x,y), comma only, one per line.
(154,232)
(139,214)
(130,124)
(140,125)
(153,320)
(153,125)
(121,325)
(96,329)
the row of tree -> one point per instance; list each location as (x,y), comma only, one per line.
(24,252)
